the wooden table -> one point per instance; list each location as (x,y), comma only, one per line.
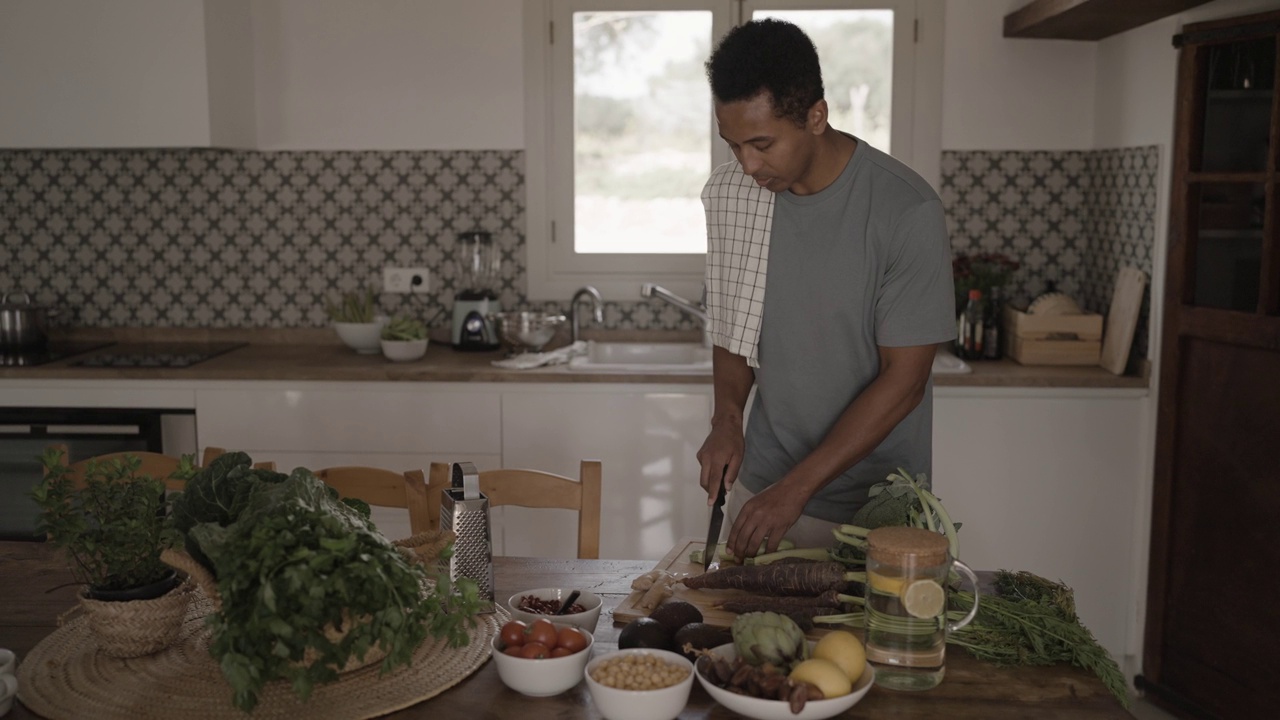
(972,689)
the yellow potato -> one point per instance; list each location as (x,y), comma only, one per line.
(828,676)
(843,649)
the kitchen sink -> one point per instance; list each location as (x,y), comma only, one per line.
(642,357)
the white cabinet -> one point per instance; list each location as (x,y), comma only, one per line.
(645,436)
(1051,483)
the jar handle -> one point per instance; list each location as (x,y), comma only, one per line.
(26,297)
(973,580)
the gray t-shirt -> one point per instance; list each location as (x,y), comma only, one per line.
(863,263)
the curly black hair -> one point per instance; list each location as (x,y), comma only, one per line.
(767,55)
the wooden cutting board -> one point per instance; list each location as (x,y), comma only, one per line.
(677,563)
(1122,318)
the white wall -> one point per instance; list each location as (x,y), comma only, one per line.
(389,74)
(1001,94)
(102,74)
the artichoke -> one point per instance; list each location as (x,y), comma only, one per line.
(767,637)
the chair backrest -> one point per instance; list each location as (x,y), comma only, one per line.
(385,488)
(535,489)
(156,465)
(213,453)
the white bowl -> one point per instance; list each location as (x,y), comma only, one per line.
(543,677)
(662,704)
(585,620)
(364,338)
(761,709)
(404,350)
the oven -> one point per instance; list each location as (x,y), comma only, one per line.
(87,432)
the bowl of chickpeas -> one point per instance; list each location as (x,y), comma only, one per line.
(640,684)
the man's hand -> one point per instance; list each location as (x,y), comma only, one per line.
(765,518)
(720,457)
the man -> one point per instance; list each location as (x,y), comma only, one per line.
(840,340)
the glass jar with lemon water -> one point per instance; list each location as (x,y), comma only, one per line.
(908,572)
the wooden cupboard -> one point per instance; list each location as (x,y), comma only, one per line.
(1211,610)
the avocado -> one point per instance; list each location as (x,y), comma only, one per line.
(701,636)
(644,633)
(675,614)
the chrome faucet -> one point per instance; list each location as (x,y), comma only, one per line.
(649,290)
(597,308)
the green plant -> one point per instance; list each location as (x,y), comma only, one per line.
(403,328)
(114,526)
(293,561)
(353,308)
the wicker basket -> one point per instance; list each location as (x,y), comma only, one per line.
(133,628)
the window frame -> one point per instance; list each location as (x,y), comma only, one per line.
(553,271)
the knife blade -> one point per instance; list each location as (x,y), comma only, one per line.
(713,531)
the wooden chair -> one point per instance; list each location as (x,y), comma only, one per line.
(535,489)
(385,488)
(213,453)
(154,464)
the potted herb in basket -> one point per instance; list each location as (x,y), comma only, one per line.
(113,527)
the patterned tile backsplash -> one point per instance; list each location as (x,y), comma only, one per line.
(230,238)
(227,238)
(1071,219)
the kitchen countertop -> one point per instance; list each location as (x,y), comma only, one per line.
(314,355)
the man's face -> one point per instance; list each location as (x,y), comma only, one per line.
(773,150)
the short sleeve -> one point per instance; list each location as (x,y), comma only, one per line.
(915,303)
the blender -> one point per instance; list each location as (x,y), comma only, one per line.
(476,300)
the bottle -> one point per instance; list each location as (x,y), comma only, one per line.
(971,327)
(992,340)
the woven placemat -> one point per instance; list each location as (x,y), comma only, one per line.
(66,677)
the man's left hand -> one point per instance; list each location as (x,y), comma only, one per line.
(765,519)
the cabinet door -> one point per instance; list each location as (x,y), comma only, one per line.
(646,441)
(1208,651)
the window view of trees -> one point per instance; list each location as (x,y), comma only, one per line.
(643,125)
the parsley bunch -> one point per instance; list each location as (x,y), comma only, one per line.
(295,566)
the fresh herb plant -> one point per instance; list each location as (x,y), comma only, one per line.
(403,328)
(353,308)
(293,562)
(114,526)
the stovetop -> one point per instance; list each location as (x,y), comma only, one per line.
(157,355)
(53,351)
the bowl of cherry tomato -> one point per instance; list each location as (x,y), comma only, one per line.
(541,658)
(538,603)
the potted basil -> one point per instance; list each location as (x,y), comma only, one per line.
(113,527)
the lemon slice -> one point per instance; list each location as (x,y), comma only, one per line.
(885,583)
(924,598)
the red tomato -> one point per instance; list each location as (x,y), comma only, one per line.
(534,651)
(513,633)
(571,639)
(513,650)
(560,652)
(544,632)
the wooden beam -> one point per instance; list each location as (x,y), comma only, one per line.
(1087,19)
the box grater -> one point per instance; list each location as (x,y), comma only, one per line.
(465,511)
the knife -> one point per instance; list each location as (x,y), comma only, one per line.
(717,519)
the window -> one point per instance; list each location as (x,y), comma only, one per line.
(621,134)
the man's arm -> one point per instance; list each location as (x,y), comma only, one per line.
(873,414)
(721,453)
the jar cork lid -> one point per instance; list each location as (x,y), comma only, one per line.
(906,546)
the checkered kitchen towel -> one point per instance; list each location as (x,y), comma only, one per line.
(739,222)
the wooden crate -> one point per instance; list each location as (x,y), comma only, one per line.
(1052,339)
